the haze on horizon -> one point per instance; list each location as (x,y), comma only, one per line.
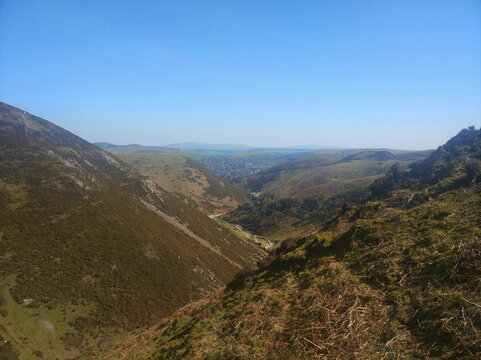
(383,74)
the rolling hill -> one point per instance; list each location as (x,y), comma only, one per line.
(180,174)
(393,277)
(325,174)
(89,247)
(318,175)
(297,196)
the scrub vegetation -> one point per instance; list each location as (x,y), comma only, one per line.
(180,174)
(90,248)
(394,276)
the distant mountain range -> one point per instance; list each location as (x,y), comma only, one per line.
(220,149)
(236,148)
(135,148)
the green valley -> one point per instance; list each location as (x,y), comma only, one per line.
(394,276)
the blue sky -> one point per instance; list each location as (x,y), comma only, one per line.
(359,73)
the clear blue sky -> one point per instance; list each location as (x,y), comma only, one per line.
(359,73)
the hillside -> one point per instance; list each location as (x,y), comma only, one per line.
(394,277)
(296,196)
(299,195)
(180,174)
(243,167)
(89,247)
(319,175)
(283,218)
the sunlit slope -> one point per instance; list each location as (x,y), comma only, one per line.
(321,175)
(395,277)
(299,195)
(88,247)
(180,174)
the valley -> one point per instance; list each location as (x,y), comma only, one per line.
(393,276)
(240,180)
(141,255)
(178,173)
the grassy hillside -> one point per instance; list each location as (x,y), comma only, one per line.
(89,247)
(299,195)
(321,175)
(180,174)
(283,218)
(395,277)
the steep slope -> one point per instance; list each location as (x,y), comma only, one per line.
(396,277)
(180,174)
(88,247)
(283,218)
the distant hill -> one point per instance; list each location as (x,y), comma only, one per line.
(200,147)
(235,148)
(89,247)
(180,174)
(135,148)
(395,276)
(400,154)
(299,195)
(326,173)
(238,167)
(382,155)
(313,147)
(320,175)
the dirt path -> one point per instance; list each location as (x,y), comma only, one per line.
(255,237)
(215,216)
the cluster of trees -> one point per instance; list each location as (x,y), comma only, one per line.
(263,214)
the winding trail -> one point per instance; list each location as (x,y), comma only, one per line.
(248,234)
